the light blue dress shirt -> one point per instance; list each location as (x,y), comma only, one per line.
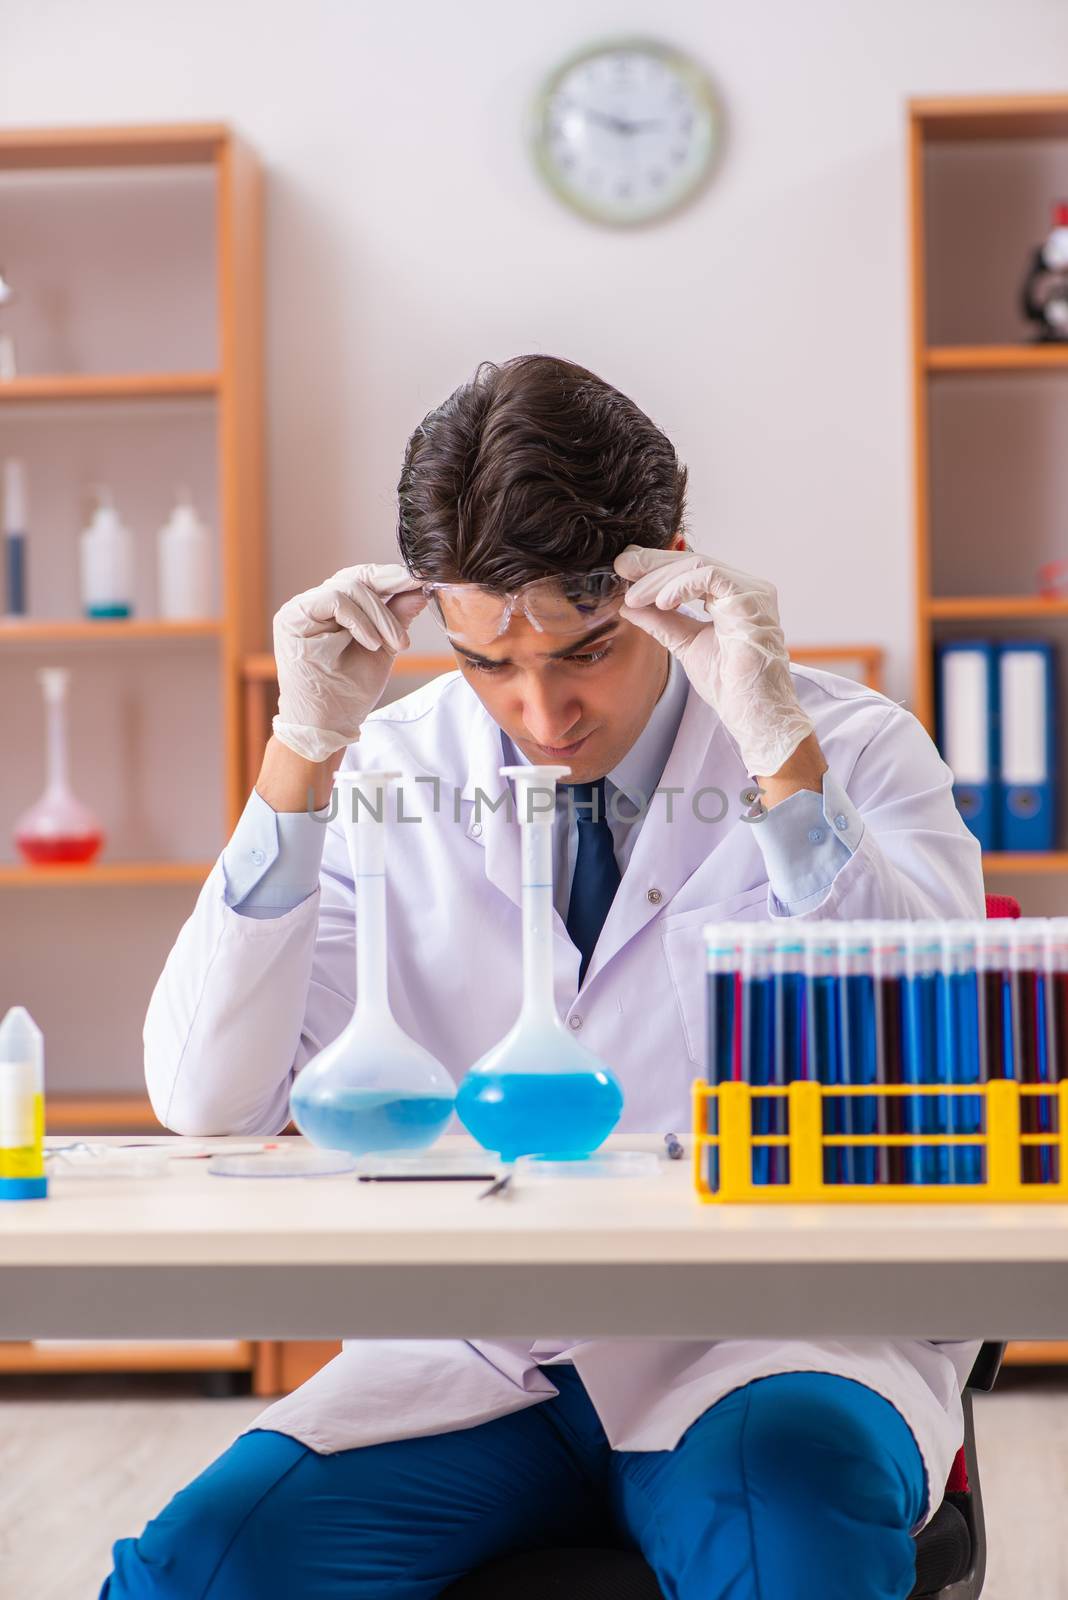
(272,861)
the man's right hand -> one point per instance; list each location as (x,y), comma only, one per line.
(334,649)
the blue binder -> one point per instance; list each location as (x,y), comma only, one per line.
(967,731)
(1027,798)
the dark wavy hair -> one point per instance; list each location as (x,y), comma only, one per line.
(535,466)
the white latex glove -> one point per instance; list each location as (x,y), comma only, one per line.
(334,648)
(736,660)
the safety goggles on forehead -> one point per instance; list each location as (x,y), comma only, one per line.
(562,602)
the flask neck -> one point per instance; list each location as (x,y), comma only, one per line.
(365,832)
(58,773)
(539,1000)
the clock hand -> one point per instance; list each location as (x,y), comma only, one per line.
(606,119)
(621,124)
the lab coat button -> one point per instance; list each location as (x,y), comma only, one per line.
(815,835)
(654,896)
(574,1022)
(476,830)
(259,857)
(841,822)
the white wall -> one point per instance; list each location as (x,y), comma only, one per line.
(765,328)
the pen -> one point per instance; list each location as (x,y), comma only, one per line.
(426,1177)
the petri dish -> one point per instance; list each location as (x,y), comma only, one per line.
(601,1164)
(103,1161)
(280,1164)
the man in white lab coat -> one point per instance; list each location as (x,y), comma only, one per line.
(541,517)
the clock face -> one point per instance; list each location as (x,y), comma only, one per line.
(626,132)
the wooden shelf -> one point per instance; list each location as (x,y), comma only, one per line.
(108,386)
(104,874)
(1025,861)
(997,358)
(30,631)
(261,668)
(996,116)
(1036,1353)
(147,145)
(162,1355)
(100,1113)
(995,606)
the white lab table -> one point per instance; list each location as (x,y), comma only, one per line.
(191,1255)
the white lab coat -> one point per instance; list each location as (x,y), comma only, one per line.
(244,1003)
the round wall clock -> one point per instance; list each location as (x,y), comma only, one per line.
(626,131)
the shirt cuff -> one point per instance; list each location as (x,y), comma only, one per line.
(273,858)
(806,841)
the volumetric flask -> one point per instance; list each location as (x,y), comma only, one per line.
(57,829)
(538,1092)
(374,1087)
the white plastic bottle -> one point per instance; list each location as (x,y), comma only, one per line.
(184,564)
(107,563)
(22,1173)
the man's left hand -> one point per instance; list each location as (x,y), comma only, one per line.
(736,659)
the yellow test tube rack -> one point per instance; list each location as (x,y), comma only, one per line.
(1000,1138)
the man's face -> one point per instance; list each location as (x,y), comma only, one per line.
(580,700)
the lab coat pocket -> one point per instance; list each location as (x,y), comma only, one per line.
(684,952)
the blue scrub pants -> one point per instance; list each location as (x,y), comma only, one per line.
(798,1487)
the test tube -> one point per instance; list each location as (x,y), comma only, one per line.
(722,986)
(1057,967)
(995,1000)
(721,965)
(888,966)
(1031,1040)
(859,1044)
(920,1037)
(756,945)
(791,1032)
(958,1048)
(822,1012)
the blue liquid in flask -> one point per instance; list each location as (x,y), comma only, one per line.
(566,1115)
(373,1087)
(363,1120)
(538,1092)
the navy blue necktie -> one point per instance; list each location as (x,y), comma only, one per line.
(596,877)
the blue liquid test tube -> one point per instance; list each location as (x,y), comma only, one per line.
(859,1043)
(958,1042)
(1030,1039)
(822,1019)
(756,945)
(724,1042)
(791,1041)
(920,1053)
(888,966)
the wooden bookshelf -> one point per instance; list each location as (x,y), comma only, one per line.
(978,143)
(152,1355)
(1034,861)
(109,386)
(996,358)
(995,607)
(123,630)
(261,685)
(196,368)
(104,874)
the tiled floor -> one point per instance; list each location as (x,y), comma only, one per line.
(84,1466)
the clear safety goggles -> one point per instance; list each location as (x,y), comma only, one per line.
(562,602)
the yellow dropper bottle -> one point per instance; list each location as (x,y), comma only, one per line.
(22,1174)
